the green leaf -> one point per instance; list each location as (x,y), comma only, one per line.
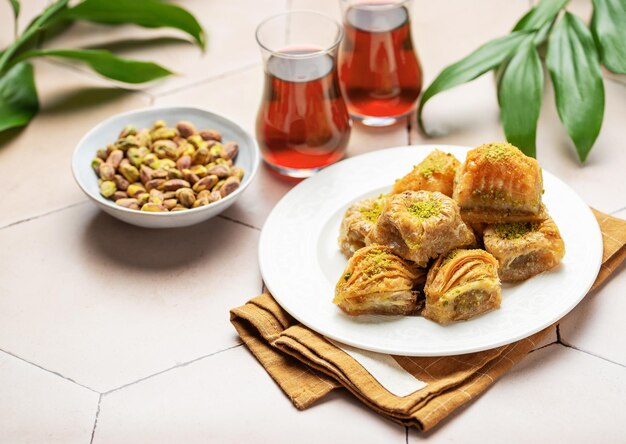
(31,31)
(18,97)
(15,4)
(520,93)
(608,25)
(484,59)
(541,14)
(105,63)
(575,71)
(146,13)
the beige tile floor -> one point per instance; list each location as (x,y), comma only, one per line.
(114,334)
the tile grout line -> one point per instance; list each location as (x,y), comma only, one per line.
(184,364)
(37,216)
(566,345)
(95,423)
(206,80)
(617,211)
(406,434)
(230,219)
(544,346)
(49,371)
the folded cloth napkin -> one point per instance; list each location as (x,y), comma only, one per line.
(307,366)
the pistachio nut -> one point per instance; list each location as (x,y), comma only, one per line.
(115,158)
(215,196)
(221,171)
(129,172)
(231,149)
(153,207)
(216,151)
(127,142)
(120,182)
(211,135)
(107,171)
(119,195)
(174,184)
(165,149)
(149,158)
(200,202)
(130,203)
(128,130)
(201,156)
(124,161)
(95,164)
(178,207)
(217,186)
(154,183)
(135,189)
(169,203)
(174,173)
(159,174)
(229,186)
(142,198)
(190,176)
(134,156)
(164,133)
(144,138)
(189,150)
(169,195)
(185,128)
(102,154)
(196,141)
(237,172)
(107,188)
(185,196)
(159,124)
(156,193)
(199,170)
(205,183)
(145,173)
(183,162)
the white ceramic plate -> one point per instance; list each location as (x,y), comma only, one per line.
(301,263)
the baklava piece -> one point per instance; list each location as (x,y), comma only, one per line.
(357,222)
(524,249)
(421,225)
(434,173)
(461,285)
(497,183)
(376,281)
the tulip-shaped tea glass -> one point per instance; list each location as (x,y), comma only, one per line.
(303,123)
(379,71)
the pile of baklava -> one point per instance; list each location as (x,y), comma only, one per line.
(443,239)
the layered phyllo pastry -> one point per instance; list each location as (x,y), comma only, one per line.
(497,183)
(376,281)
(420,225)
(435,173)
(357,223)
(524,249)
(461,285)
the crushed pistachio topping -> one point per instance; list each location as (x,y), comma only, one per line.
(425,209)
(498,151)
(377,262)
(371,214)
(514,230)
(347,276)
(431,165)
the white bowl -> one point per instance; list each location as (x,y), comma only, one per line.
(106,132)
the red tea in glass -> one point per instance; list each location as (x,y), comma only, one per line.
(380,73)
(303,123)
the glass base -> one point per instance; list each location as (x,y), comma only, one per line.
(294,173)
(379,122)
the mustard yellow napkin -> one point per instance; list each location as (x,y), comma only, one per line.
(306,366)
